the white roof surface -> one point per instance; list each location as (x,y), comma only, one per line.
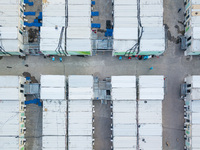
(9,118)
(123,81)
(54,118)
(150,142)
(123,87)
(53,16)
(52,93)
(125,25)
(80,87)
(151,87)
(150,112)
(80,111)
(8,25)
(53,81)
(9,82)
(53,143)
(124,143)
(10,143)
(79,26)
(80,143)
(53,87)
(9,94)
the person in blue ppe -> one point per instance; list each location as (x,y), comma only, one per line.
(60,59)
(53,58)
(151,68)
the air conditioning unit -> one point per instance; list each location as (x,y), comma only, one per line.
(23,107)
(22,141)
(23,131)
(23,119)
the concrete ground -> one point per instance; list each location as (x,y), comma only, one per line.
(174,65)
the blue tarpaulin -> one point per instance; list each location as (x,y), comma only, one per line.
(96,25)
(109,32)
(29,13)
(28,78)
(33,24)
(35,101)
(93,2)
(29,3)
(40,15)
(95,13)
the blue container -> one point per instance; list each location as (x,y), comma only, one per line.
(29,13)
(96,25)
(93,2)
(95,13)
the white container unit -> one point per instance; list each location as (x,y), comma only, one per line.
(54,15)
(80,112)
(124,112)
(125,31)
(151,88)
(192,113)
(153,37)
(53,94)
(79,28)
(12,112)
(11,28)
(151,95)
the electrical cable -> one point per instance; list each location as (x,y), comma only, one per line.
(2,49)
(140,33)
(59,47)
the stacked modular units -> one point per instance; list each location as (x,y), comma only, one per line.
(11,27)
(151,94)
(78,41)
(192,27)
(125,34)
(192,113)
(53,94)
(153,37)
(124,112)
(80,113)
(138,27)
(12,113)
(52,34)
